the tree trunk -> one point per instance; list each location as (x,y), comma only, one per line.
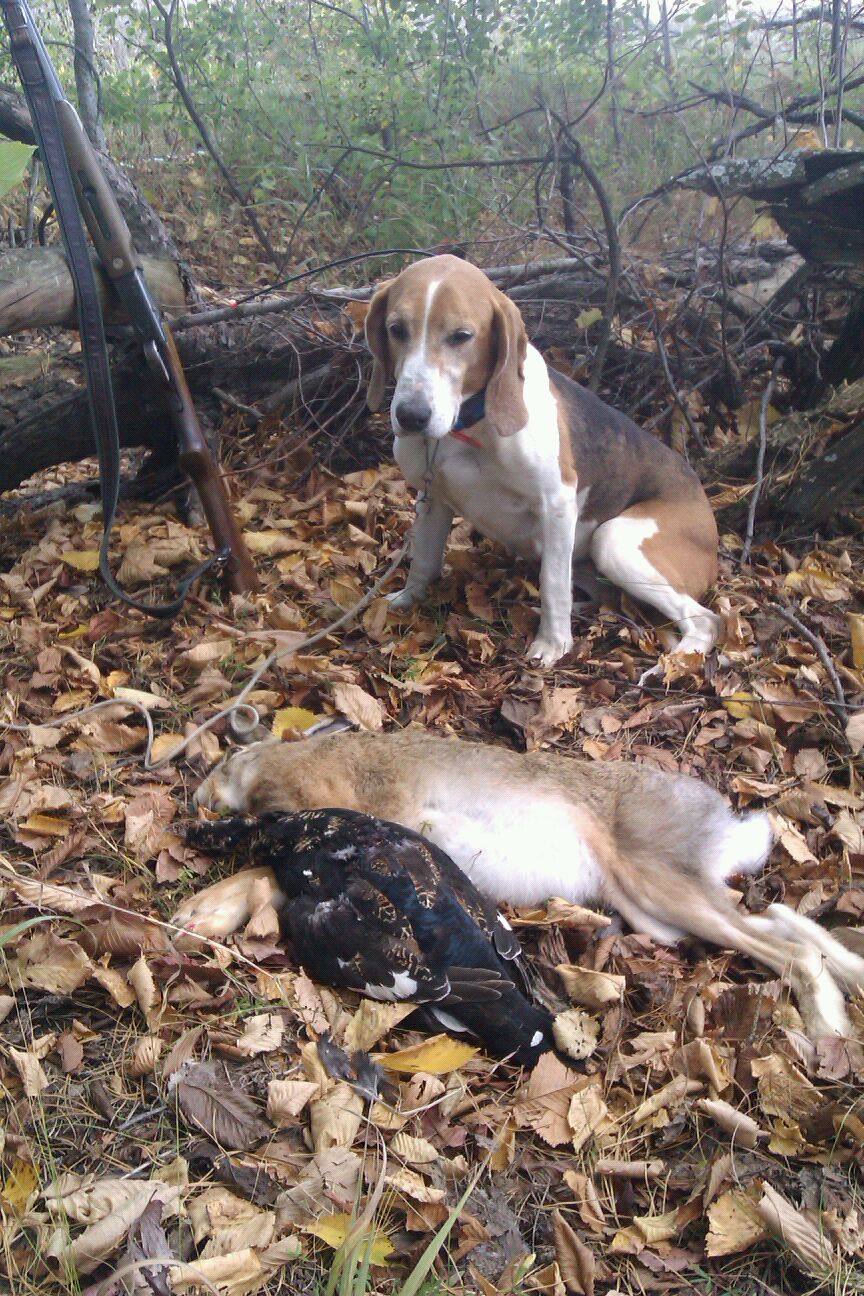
(86,76)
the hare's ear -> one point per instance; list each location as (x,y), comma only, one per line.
(376,340)
(505,402)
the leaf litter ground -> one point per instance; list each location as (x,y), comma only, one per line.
(172,1107)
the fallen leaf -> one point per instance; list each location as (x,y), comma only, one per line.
(436,1055)
(261,1034)
(359,706)
(85,560)
(575,1259)
(591,989)
(292,718)
(544,1103)
(800,1234)
(334,1229)
(734,1222)
(287,1098)
(783,1089)
(335,1118)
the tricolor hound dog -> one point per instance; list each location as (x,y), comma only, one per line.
(548,469)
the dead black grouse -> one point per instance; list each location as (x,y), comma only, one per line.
(379,909)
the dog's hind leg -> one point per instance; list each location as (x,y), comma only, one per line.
(667,567)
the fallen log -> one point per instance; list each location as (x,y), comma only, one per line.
(36,289)
(814,461)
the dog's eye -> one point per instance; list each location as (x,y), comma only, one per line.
(397,331)
(459,337)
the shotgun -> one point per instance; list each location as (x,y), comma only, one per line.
(52,113)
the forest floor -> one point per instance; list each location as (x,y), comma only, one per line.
(172,1107)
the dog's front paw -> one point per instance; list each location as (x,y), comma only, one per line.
(402,600)
(548,649)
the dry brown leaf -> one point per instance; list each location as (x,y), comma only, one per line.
(734,1222)
(741,1128)
(359,706)
(587,1114)
(49,962)
(544,1103)
(590,989)
(143,983)
(109,1206)
(147,816)
(287,1098)
(671,1096)
(586,1200)
(371,1022)
(116,984)
(413,1186)
(575,1259)
(335,1118)
(29,1068)
(802,1235)
(855,732)
(242,1273)
(783,1090)
(145,1055)
(182,1050)
(416,1151)
(261,1034)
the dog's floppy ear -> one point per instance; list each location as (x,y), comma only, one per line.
(505,403)
(376,340)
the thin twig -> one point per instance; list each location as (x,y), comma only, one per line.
(760,458)
(679,400)
(818,643)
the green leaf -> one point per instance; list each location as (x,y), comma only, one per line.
(14,160)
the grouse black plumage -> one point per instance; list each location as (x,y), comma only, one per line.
(379,909)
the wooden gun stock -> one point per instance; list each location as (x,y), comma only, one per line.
(200,466)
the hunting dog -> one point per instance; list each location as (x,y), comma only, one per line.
(485,429)
(654,846)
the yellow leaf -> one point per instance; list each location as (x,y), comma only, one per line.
(856,632)
(334,1229)
(436,1056)
(71,701)
(85,560)
(765,227)
(46,825)
(21,1183)
(744,706)
(292,718)
(78,633)
(165,745)
(588,317)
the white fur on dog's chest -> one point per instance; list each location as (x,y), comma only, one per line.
(503,486)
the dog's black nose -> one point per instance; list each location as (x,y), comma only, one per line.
(413,415)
